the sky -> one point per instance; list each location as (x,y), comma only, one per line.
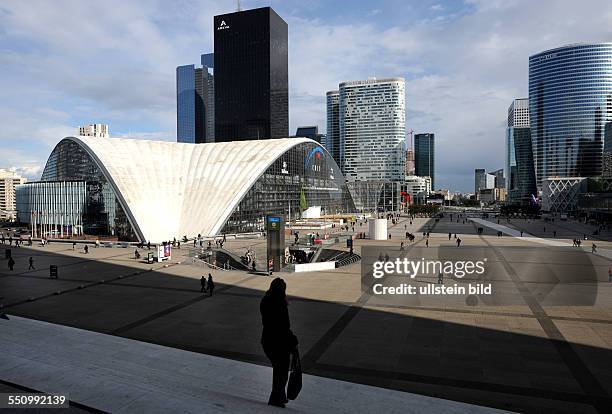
(69,63)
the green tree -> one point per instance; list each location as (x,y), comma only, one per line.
(303,202)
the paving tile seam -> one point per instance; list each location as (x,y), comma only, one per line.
(490,313)
(583,376)
(82,287)
(26,272)
(174,308)
(328,369)
(330,336)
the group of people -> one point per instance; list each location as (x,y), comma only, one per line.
(18,240)
(11,263)
(207,285)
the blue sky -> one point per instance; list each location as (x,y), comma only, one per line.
(66,63)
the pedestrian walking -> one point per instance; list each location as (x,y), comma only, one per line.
(31,262)
(401,246)
(449,236)
(521,233)
(554,233)
(440,278)
(203,284)
(210,285)
(427,243)
(593,248)
(73,245)
(86,248)
(277,339)
(458,242)
(11,263)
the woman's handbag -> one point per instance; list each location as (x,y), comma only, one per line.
(295,378)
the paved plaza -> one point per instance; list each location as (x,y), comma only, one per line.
(528,356)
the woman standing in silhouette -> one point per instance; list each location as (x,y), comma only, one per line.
(277,339)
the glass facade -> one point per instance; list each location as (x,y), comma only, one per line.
(251,76)
(332,139)
(424,156)
(307,172)
(195,96)
(185,104)
(521,183)
(74,198)
(570,101)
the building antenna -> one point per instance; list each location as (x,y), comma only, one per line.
(238,8)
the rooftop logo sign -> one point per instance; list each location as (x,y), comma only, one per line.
(223,25)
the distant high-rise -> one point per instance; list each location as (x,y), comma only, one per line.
(94,130)
(520,173)
(570,101)
(372,129)
(332,139)
(195,109)
(518,113)
(483,180)
(251,75)
(310,131)
(424,156)
(500,181)
(8,181)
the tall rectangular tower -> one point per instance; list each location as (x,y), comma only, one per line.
(332,139)
(372,129)
(424,156)
(195,103)
(251,76)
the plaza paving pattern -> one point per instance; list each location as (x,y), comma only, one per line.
(527,357)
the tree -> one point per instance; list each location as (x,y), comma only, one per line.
(303,202)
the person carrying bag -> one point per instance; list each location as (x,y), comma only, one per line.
(295,378)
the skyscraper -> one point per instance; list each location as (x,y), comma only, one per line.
(570,101)
(483,180)
(372,129)
(195,93)
(424,156)
(251,76)
(520,174)
(332,139)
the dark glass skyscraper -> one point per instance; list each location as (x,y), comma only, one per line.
(251,76)
(424,156)
(195,93)
(570,101)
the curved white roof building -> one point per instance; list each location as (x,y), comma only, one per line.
(156,190)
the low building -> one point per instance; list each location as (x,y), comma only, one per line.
(140,190)
(560,194)
(9,180)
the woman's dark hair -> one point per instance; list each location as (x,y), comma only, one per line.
(277,288)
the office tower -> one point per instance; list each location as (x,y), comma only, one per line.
(483,180)
(424,156)
(311,131)
(520,174)
(498,175)
(518,113)
(570,101)
(372,129)
(332,139)
(251,76)
(94,130)
(195,94)
(8,181)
